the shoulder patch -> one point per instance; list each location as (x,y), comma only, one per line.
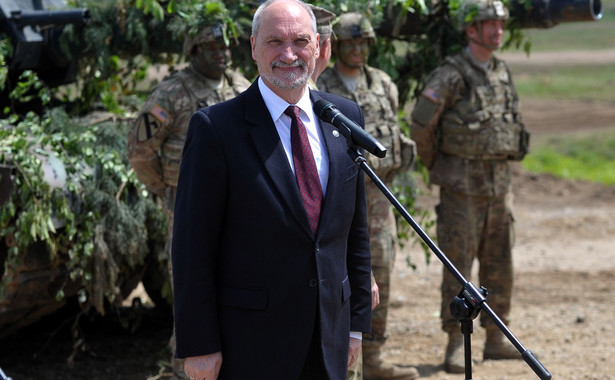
(147,126)
(431,94)
(151,122)
(159,113)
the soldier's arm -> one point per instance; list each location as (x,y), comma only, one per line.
(441,91)
(144,142)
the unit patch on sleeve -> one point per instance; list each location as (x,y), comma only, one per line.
(150,122)
(431,94)
(159,113)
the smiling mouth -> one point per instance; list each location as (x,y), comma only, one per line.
(298,64)
(287,68)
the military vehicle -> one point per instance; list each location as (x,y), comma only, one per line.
(99,233)
(399,23)
(35,30)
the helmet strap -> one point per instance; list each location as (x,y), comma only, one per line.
(479,29)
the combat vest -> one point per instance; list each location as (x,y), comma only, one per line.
(199,96)
(485,124)
(380,120)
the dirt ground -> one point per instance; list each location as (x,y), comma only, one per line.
(563,307)
(564,270)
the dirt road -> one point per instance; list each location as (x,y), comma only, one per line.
(564,267)
(562,309)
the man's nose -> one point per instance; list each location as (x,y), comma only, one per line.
(288,53)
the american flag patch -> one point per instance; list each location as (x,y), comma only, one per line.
(159,113)
(431,94)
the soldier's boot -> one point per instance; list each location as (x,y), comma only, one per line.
(454,358)
(498,347)
(375,367)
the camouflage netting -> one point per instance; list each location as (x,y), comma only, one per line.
(77,222)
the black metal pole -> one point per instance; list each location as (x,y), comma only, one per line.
(470,293)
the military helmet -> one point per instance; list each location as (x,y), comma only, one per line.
(209,33)
(200,22)
(354,25)
(471,11)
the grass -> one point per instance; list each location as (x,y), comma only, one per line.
(594,83)
(589,157)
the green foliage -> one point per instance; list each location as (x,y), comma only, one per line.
(194,15)
(125,37)
(409,58)
(93,216)
(462,13)
(153,7)
(28,88)
(589,158)
(6,50)
(115,50)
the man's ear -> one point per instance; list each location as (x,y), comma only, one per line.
(252,44)
(472,31)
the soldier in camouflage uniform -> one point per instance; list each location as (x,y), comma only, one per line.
(156,141)
(324,18)
(467,129)
(377,95)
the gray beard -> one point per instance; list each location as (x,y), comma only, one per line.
(290,81)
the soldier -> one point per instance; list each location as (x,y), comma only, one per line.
(324,18)
(156,140)
(467,128)
(377,95)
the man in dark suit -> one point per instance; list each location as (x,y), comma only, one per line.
(271,261)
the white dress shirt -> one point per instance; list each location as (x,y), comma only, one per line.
(276,107)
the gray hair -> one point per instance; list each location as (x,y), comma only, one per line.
(256,21)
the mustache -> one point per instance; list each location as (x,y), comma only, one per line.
(297,63)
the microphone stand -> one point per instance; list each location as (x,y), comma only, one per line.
(471,300)
(3,376)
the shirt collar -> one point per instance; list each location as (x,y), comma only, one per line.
(277,105)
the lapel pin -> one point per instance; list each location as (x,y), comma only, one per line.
(336,133)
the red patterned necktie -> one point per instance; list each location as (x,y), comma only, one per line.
(305,167)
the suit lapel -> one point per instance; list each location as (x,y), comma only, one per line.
(337,147)
(271,152)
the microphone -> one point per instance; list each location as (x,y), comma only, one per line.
(326,111)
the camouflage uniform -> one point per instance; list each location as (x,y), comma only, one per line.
(378,97)
(467,129)
(156,141)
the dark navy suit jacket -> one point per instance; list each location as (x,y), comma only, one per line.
(250,278)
